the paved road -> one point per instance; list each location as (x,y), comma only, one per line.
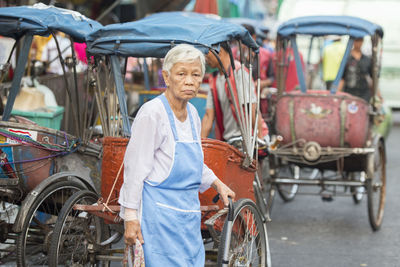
(310,232)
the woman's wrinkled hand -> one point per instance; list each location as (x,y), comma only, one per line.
(133,232)
(224,191)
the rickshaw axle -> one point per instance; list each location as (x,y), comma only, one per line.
(317,182)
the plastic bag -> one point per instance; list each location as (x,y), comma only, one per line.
(134,255)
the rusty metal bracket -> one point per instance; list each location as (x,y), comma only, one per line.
(210,225)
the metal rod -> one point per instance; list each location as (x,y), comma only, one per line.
(86,106)
(108,10)
(304,181)
(249,105)
(106,99)
(80,131)
(100,106)
(66,83)
(258,104)
(231,92)
(114,114)
(244,96)
(119,83)
(374,41)
(89,135)
(109,258)
(251,89)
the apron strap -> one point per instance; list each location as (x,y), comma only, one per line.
(167,107)
(170,115)
(192,123)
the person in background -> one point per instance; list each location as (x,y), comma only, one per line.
(357,76)
(266,62)
(220,105)
(164,169)
(50,53)
(267,42)
(332,56)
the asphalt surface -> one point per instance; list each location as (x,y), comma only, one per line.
(310,232)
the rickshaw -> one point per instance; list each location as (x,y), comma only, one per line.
(328,136)
(89,224)
(40,166)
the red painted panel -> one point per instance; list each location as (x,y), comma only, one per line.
(317,116)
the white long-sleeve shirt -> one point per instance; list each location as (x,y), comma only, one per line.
(150,151)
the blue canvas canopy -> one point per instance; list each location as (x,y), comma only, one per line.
(154,35)
(329,25)
(322,26)
(41,19)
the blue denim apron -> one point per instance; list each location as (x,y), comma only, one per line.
(171,214)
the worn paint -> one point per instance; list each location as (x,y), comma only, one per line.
(336,125)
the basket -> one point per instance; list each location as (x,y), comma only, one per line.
(226,163)
(113,156)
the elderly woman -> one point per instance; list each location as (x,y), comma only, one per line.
(164,169)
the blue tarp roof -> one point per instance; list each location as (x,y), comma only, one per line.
(41,19)
(153,35)
(329,25)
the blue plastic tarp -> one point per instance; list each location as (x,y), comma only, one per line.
(154,35)
(41,19)
(329,25)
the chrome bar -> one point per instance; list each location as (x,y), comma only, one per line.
(109,258)
(114,237)
(316,182)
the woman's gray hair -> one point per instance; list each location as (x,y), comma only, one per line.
(183,53)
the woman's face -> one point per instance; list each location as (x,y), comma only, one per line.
(184,79)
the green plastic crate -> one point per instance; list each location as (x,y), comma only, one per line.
(51,119)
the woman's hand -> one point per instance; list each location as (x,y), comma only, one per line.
(133,232)
(224,191)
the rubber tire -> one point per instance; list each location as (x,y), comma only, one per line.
(58,229)
(287,197)
(375,214)
(45,194)
(268,189)
(261,228)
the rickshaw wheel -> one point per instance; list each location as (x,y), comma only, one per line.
(248,237)
(77,234)
(32,247)
(376,187)
(267,195)
(289,191)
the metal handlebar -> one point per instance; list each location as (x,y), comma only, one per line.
(230,206)
(229,225)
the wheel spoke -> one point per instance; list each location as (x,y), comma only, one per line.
(74,232)
(32,243)
(248,239)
